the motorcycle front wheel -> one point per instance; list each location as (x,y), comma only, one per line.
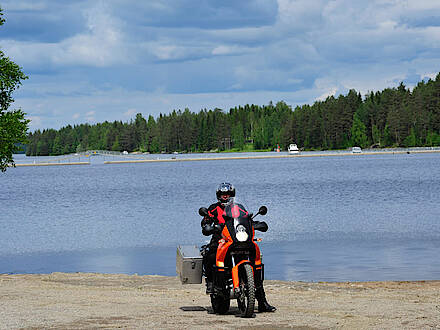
(246,300)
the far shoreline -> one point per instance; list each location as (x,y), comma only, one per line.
(175,159)
(261,155)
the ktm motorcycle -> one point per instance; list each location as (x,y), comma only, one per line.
(238,268)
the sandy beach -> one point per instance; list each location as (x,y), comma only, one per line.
(91,301)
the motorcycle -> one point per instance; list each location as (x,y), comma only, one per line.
(238,269)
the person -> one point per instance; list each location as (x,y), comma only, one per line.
(225,194)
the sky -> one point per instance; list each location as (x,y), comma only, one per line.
(89,61)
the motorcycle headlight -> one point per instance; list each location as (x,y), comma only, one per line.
(241,234)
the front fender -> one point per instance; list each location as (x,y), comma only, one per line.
(235,279)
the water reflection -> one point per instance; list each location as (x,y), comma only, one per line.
(305,260)
(367,260)
(151,260)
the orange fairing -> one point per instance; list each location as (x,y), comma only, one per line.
(257,255)
(235,279)
(257,249)
(221,253)
(225,234)
(226,242)
(223,247)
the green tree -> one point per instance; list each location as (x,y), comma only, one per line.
(140,131)
(238,136)
(13,125)
(411,139)
(57,148)
(358,132)
(116,146)
(376,135)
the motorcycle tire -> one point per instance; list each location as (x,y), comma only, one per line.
(246,301)
(220,304)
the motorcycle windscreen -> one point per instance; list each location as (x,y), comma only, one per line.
(238,223)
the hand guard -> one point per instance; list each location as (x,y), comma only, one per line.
(260,226)
(211,228)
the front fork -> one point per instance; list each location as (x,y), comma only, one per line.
(223,276)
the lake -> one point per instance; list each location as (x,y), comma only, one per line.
(338,218)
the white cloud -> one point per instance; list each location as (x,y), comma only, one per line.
(123,59)
(130,112)
(232,50)
(222,50)
(300,15)
(326,87)
(101,45)
(425,5)
(167,52)
(29,53)
(23,5)
(330,92)
(36,122)
(90,116)
(149,103)
(432,36)
(429,75)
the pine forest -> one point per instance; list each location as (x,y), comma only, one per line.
(394,117)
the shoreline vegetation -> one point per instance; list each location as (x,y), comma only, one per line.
(55,162)
(86,300)
(394,117)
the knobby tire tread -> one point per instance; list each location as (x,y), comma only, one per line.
(249,312)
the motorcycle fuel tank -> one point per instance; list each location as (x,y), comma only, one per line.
(189,264)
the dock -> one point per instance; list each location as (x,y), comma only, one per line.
(52,164)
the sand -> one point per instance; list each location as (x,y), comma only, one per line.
(108,301)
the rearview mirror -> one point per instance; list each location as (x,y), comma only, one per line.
(262,210)
(203,211)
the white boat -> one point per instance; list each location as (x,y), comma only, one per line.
(356,150)
(293,149)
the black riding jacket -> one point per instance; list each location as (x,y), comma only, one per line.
(215,212)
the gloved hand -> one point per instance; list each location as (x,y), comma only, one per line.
(211,228)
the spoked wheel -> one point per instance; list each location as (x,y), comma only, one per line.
(246,300)
(220,304)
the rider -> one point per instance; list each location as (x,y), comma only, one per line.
(225,194)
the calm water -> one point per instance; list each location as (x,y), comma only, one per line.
(368,217)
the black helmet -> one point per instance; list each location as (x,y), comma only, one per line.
(225,188)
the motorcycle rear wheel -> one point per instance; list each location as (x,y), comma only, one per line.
(220,304)
(246,301)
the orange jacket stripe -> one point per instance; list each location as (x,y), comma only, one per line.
(218,214)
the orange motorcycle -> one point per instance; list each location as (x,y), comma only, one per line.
(238,269)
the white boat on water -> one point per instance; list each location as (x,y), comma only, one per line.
(293,149)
